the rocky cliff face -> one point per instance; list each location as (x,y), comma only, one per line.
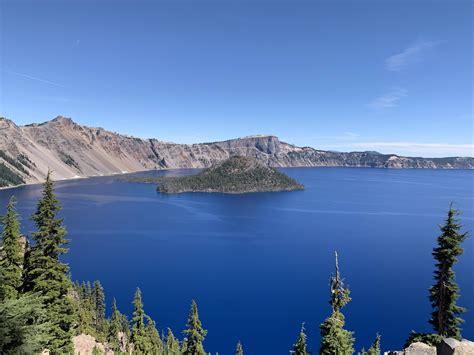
(447,346)
(72,150)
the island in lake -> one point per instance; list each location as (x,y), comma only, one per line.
(236,174)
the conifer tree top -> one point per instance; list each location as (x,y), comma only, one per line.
(445,292)
(339,293)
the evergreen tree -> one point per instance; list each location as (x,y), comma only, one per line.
(24,326)
(125,326)
(11,255)
(334,338)
(195,333)
(46,275)
(239,350)
(374,348)
(184,346)
(114,328)
(445,292)
(88,290)
(172,344)
(155,345)
(85,312)
(138,336)
(82,291)
(299,348)
(99,307)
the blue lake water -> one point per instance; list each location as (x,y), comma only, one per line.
(259,264)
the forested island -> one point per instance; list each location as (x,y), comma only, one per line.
(234,175)
(43,311)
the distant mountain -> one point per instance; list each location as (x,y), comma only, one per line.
(72,150)
(236,174)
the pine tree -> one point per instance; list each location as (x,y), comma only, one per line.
(114,328)
(375,347)
(172,344)
(85,312)
(299,348)
(445,292)
(195,333)
(11,255)
(155,345)
(127,334)
(239,350)
(98,302)
(24,326)
(334,338)
(138,336)
(46,275)
(88,290)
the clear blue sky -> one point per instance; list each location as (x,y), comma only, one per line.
(393,76)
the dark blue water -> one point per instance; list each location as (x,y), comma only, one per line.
(259,264)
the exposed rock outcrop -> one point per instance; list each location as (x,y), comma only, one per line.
(452,346)
(85,344)
(415,349)
(72,150)
(420,349)
(448,346)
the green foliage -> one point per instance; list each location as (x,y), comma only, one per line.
(172,344)
(24,325)
(90,306)
(97,351)
(144,336)
(24,160)
(375,347)
(445,292)
(125,326)
(334,338)
(234,175)
(17,163)
(46,275)
(98,300)
(154,343)
(11,254)
(8,177)
(115,327)
(194,333)
(138,336)
(239,350)
(299,348)
(68,160)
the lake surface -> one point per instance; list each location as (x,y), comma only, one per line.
(259,264)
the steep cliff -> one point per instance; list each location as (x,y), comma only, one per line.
(73,150)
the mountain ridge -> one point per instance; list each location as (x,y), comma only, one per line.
(72,150)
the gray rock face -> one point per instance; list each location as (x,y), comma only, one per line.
(450,346)
(72,150)
(415,349)
(420,349)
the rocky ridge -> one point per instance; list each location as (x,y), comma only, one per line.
(72,150)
